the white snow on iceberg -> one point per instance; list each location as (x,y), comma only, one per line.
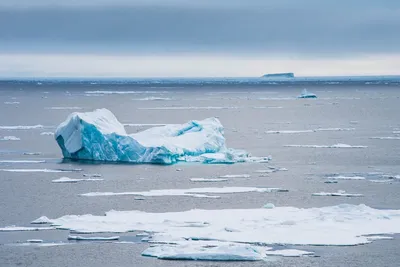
(334,225)
(98,135)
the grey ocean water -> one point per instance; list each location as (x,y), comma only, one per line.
(247,111)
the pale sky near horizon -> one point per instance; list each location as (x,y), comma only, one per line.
(183,38)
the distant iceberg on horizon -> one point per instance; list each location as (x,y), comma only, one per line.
(99,136)
(306,94)
(286,75)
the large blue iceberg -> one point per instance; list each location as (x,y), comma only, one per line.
(99,136)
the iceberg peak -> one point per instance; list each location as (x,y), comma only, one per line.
(98,135)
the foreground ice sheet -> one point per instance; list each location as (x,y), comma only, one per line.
(207,252)
(335,225)
(192,192)
(98,135)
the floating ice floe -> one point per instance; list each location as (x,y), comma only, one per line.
(289,131)
(29,244)
(206,252)
(41,220)
(379,237)
(98,135)
(71,180)
(192,192)
(343,177)
(94,175)
(386,138)
(208,179)
(11,103)
(10,138)
(123,92)
(339,193)
(21,228)
(41,170)
(22,161)
(289,253)
(34,241)
(334,225)
(235,176)
(152,98)
(92,238)
(306,94)
(47,133)
(31,153)
(21,127)
(327,146)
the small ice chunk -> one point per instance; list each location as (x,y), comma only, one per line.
(95,175)
(92,238)
(235,176)
(379,237)
(208,179)
(46,133)
(306,94)
(22,127)
(10,138)
(269,206)
(331,182)
(71,180)
(34,241)
(142,234)
(41,170)
(327,146)
(344,177)
(41,220)
(289,131)
(288,253)
(11,102)
(22,161)
(339,193)
(32,153)
(179,170)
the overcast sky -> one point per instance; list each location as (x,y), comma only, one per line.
(198,38)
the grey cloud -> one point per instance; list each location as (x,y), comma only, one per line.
(267,27)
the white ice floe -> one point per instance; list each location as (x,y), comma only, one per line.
(123,92)
(31,153)
(333,129)
(41,220)
(29,244)
(34,241)
(206,252)
(289,253)
(387,138)
(10,138)
(396,132)
(22,161)
(383,181)
(289,131)
(11,103)
(235,176)
(71,180)
(334,225)
(21,127)
(192,192)
(271,170)
(277,107)
(98,135)
(379,237)
(46,133)
(94,175)
(343,177)
(143,124)
(186,108)
(40,170)
(152,98)
(327,146)
(208,179)
(64,108)
(92,238)
(21,228)
(339,193)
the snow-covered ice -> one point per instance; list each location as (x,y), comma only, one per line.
(235,176)
(339,193)
(208,179)
(92,238)
(289,253)
(98,135)
(40,170)
(71,180)
(344,224)
(327,146)
(41,220)
(192,192)
(10,138)
(22,127)
(22,161)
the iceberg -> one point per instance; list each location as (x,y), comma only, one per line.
(99,136)
(306,94)
(286,75)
